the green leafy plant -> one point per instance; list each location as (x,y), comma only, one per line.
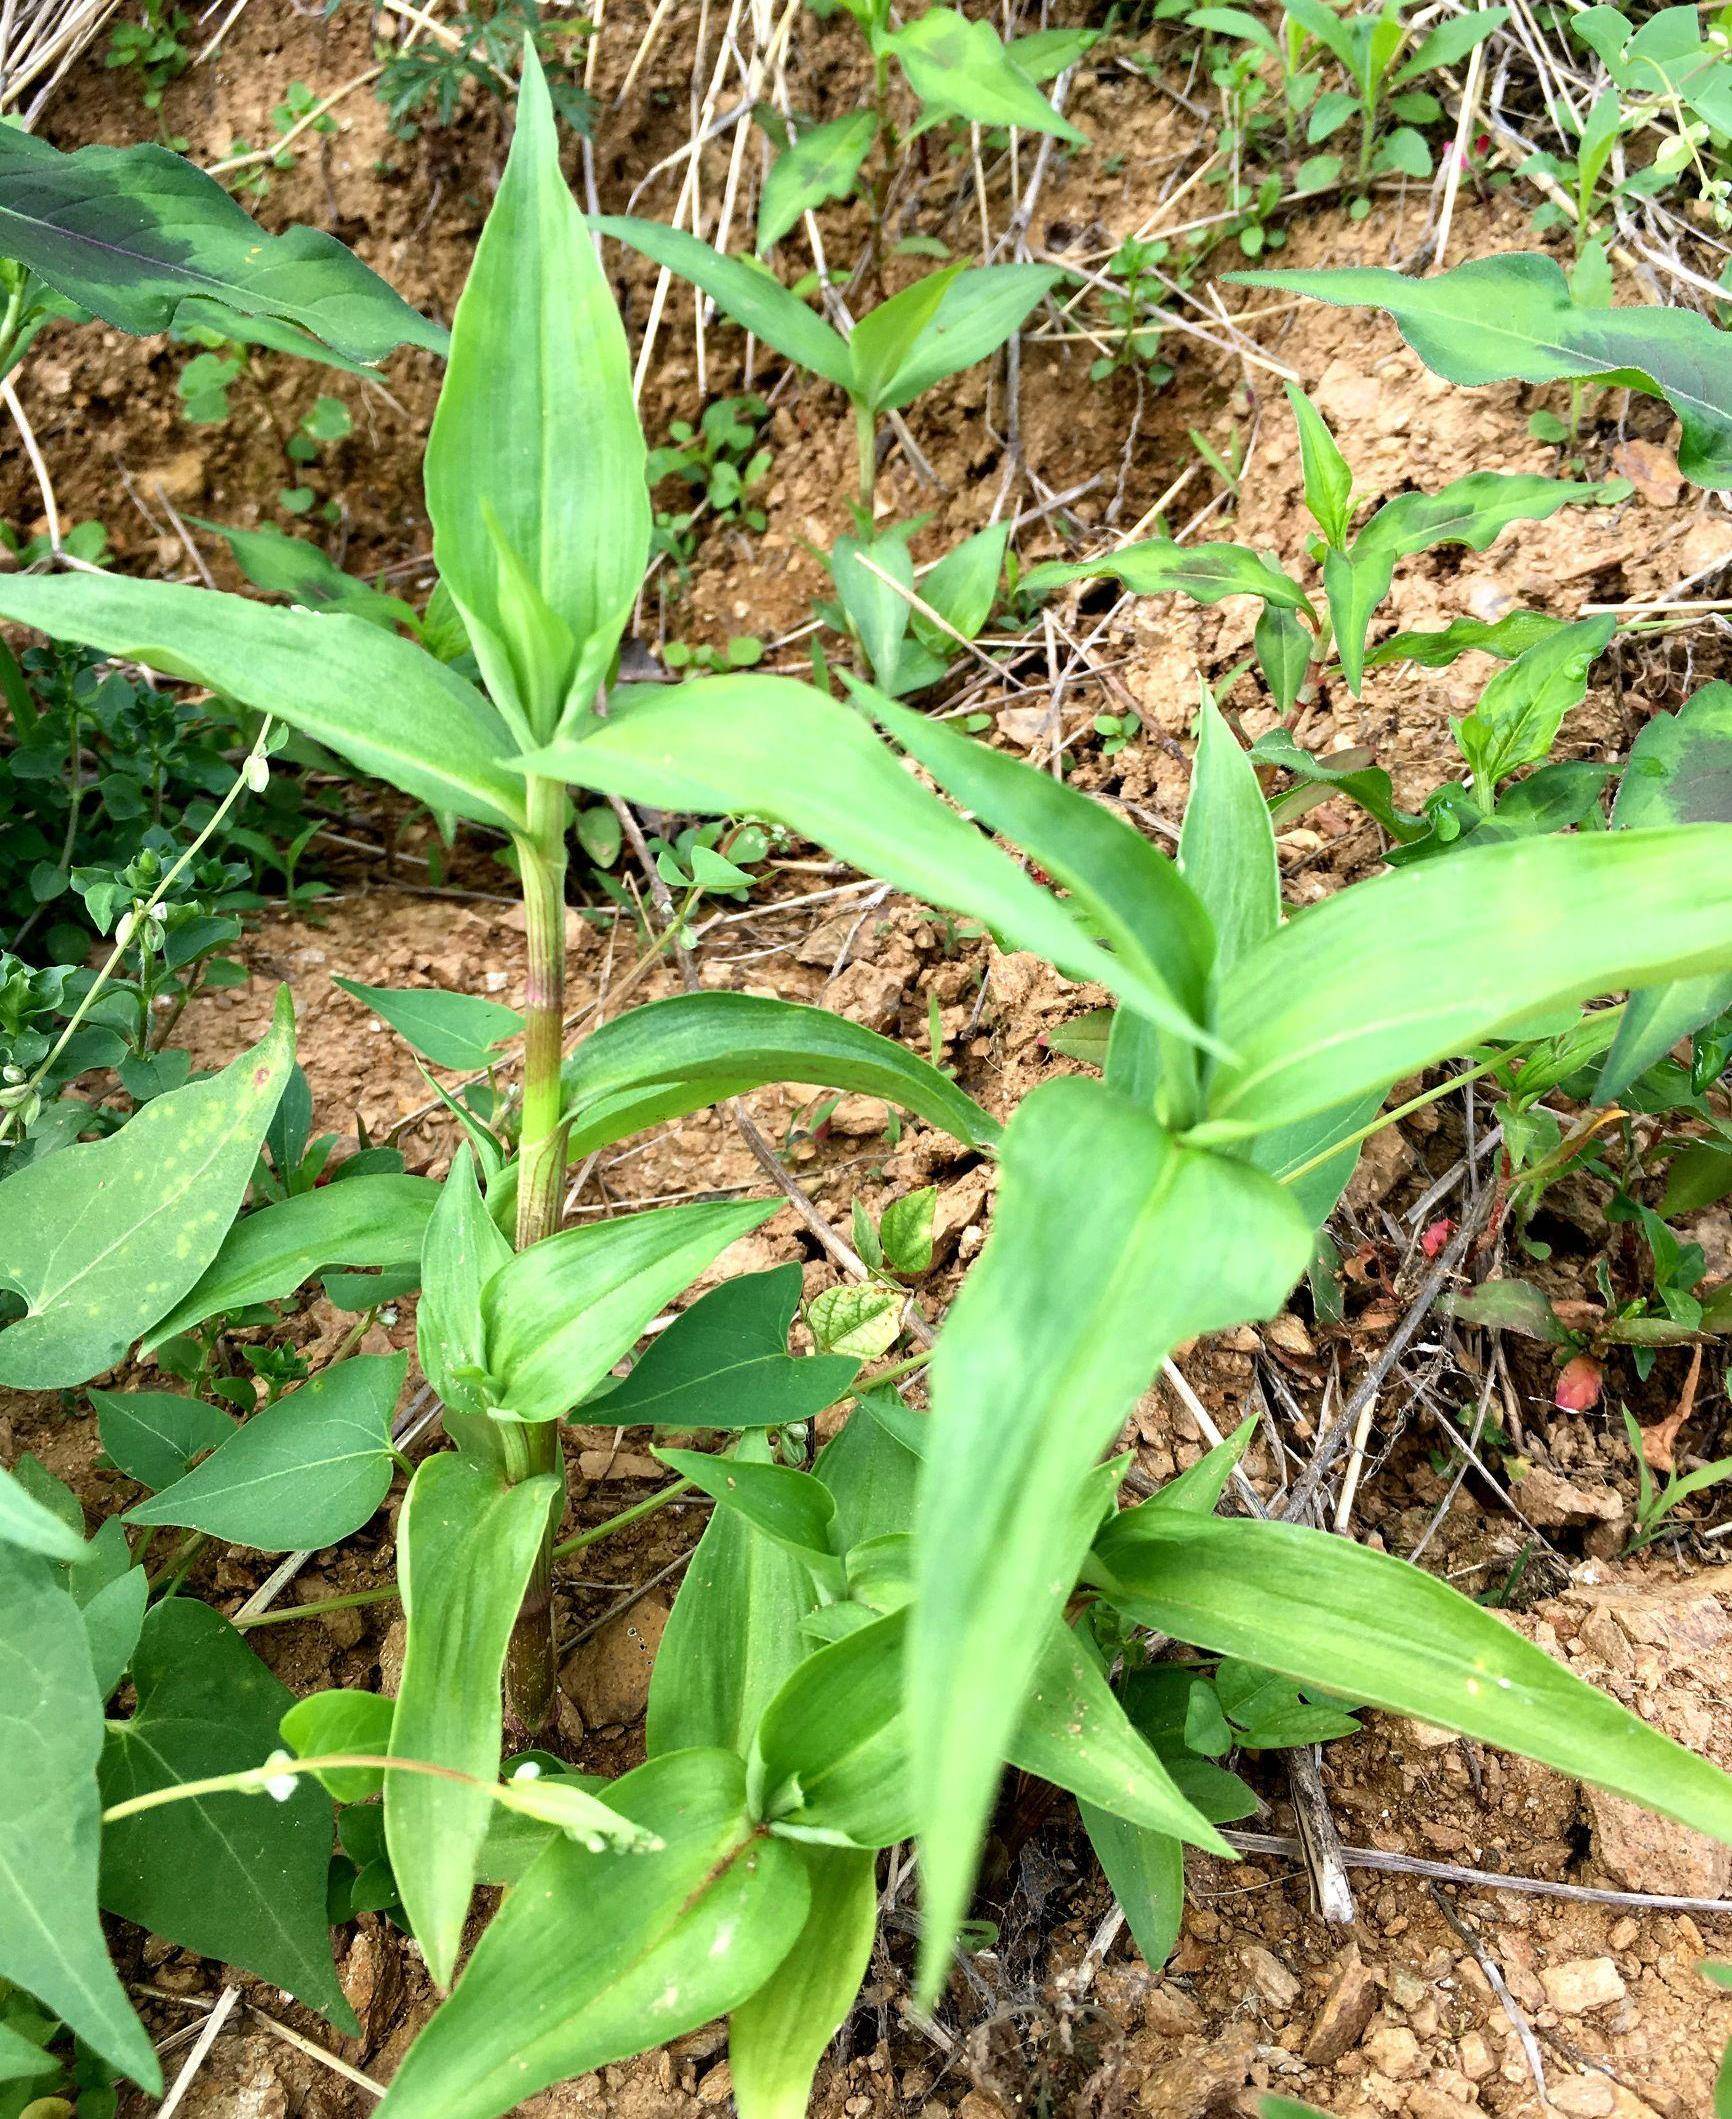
(424,85)
(154,47)
(721,462)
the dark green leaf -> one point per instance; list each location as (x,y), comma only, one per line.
(153,1436)
(293,568)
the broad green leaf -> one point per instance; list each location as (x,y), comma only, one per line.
(1319,20)
(1283,654)
(959,69)
(791,1507)
(777,2036)
(238,1878)
(153,1436)
(783,751)
(871,1470)
(104,1237)
(674,1056)
(1505,637)
(1044,53)
(876,614)
(32,1527)
(294,568)
(379,700)
(1384,978)
(535,466)
(1290,1153)
(1472,511)
(1328,481)
(963,587)
(462,1251)
(342,1720)
(113,1616)
(1174,1243)
(1449,43)
(829,1763)
(905,1230)
(1227,846)
(733,1636)
(458,1030)
(823,163)
(1147,1873)
(1523,707)
(1130,891)
(861,1322)
(596,1956)
(22,2059)
(1075,1734)
(466,1544)
(559,1315)
(724,1363)
(1511,318)
(51,1939)
(305,1472)
(886,337)
(133,234)
(374,1219)
(1204,572)
(982,307)
(1324,1611)
(748,293)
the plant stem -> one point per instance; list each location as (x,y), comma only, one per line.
(533,1447)
(866,446)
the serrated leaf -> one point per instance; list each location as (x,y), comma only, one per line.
(104,1237)
(304,1472)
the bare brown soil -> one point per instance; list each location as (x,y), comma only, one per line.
(1441,2001)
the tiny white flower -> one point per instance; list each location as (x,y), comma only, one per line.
(280,1786)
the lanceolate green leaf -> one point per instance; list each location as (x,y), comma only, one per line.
(724,1363)
(674,1056)
(1327,1612)
(559,1315)
(789,1506)
(465,1548)
(830,1759)
(777,2037)
(822,164)
(459,1030)
(1227,845)
(305,1472)
(1376,981)
(981,308)
(240,1878)
(296,569)
(782,750)
(752,296)
(462,1251)
(596,1956)
(1204,572)
(51,1940)
(387,706)
(535,465)
(375,1219)
(1512,318)
(104,1237)
(135,233)
(1173,1243)
(734,1634)
(1521,710)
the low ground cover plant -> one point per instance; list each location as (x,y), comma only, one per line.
(868,1637)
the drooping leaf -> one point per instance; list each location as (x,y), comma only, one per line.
(958,68)
(304,1472)
(535,466)
(670,1057)
(294,568)
(559,1315)
(724,1363)
(104,1237)
(733,1636)
(777,2036)
(1204,572)
(1319,775)
(240,1878)
(782,750)
(1325,1611)
(135,234)
(1377,981)
(1512,318)
(1147,1872)
(465,1547)
(457,1030)
(1227,846)
(823,163)
(381,701)
(596,1956)
(1175,1242)
(51,1940)
(374,1219)
(748,293)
